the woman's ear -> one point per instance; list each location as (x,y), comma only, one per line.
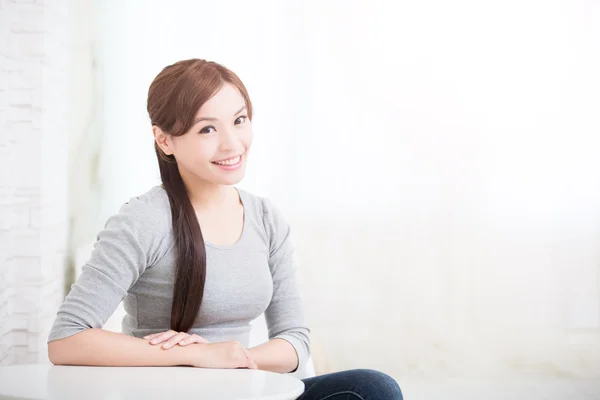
(163,140)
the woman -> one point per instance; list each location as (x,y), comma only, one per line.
(190,293)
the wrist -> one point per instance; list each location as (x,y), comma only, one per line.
(192,354)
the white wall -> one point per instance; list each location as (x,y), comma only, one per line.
(45,96)
(36,50)
(437,160)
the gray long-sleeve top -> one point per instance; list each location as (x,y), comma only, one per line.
(133,260)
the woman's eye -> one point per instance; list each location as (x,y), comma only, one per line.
(238,119)
(206,129)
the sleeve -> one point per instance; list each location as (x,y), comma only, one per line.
(285,314)
(121,254)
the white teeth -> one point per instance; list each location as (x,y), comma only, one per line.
(233,161)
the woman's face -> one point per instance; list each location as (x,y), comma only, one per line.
(216,147)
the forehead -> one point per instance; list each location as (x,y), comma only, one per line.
(226,102)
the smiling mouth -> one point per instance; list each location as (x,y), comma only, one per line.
(229,161)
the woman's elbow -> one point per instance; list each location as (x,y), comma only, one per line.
(60,351)
(55,352)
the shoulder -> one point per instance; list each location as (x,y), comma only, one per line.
(272,219)
(148,211)
(263,207)
(153,200)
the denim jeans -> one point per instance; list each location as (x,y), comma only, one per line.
(355,384)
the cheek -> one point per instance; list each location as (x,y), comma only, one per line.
(197,153)
(204,154)
(247,138)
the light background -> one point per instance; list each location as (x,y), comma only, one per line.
(438,162)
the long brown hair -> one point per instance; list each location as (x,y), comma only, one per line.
(174,98)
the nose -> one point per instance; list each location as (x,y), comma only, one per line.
(229,140)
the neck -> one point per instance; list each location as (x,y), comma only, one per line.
(204,195)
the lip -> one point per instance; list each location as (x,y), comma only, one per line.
(226,159)
(232,166)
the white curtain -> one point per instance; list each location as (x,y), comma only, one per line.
(438,162)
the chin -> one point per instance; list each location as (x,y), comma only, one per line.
(230,180)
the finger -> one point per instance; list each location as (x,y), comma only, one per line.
(163,336)
(152,335)
(193,339)
(202,340)
(188,340)
(250,363)
(175,339)
(253,364)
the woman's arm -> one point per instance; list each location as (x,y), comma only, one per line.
(98,347)
(289,345)
(124,249)
(104,348)
(276,355)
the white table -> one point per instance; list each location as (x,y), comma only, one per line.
(47,381)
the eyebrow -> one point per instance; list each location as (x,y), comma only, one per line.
(215,119)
